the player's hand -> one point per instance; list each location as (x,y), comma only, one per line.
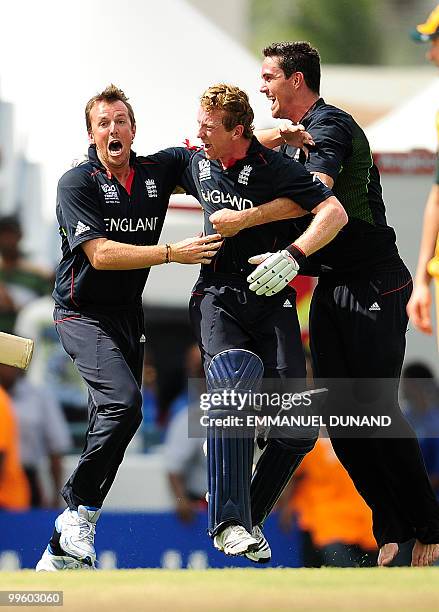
(419,308)
(296,135)
(196,250)
(228,222)
(274,272)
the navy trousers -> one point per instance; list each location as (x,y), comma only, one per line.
(108,352)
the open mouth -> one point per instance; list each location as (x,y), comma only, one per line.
(115,147)
(206,146)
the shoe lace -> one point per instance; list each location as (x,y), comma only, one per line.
(240,530)
(87,530)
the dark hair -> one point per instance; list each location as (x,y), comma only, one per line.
(10,223)
(297,57)
(417,369)
(110,94)
(235,104)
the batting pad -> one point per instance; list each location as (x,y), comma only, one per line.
(230,449)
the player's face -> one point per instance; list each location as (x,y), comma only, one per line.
(433,53)
(277,88)
(112,133)
(217,141)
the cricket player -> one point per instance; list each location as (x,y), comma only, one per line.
(358,316)
(110,211)
(243,336)
(419,306)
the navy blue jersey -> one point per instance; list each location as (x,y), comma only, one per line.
(93,204)
(342,151)
(263,175)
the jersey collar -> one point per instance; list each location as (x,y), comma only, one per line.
(308,113)
(94,159)
(254,149)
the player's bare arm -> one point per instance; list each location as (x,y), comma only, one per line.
(229,222)
(330,217)
(285,133)
(419,306)
(106,254)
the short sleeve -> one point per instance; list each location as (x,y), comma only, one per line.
(333,143)
(179,158)
(297,184)
(78,204)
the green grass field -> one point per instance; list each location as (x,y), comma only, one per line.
(270,590)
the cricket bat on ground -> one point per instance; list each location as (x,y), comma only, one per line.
(15,351)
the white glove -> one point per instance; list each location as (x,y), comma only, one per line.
(273,274)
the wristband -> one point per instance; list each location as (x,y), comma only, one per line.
(168,253)
(297,253)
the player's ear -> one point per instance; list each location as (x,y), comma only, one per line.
(238,131)
(298,79)
(91,139)
(133,132)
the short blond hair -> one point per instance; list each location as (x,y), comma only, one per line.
(235,104)
(110,94)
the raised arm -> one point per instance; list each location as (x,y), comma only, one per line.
(285,133)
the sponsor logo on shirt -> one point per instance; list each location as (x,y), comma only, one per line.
(244,174)
(151,188)
(81,228)
(130,225)
(204,167)
(110,194)
(234,201)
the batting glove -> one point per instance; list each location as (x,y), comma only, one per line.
(274,272)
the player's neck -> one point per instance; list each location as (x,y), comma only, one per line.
(120,173)
(237,151)
(299,109)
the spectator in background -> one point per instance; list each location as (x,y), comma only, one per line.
(419,306)
(421,404)
(20,280)
(51,364)
(43,433)
(151,430)
(14,489)
(194,370)
(184,457)
(335,521)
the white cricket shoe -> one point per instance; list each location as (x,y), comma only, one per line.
(234,540)
(261,554)
(78,532)
(54,563)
